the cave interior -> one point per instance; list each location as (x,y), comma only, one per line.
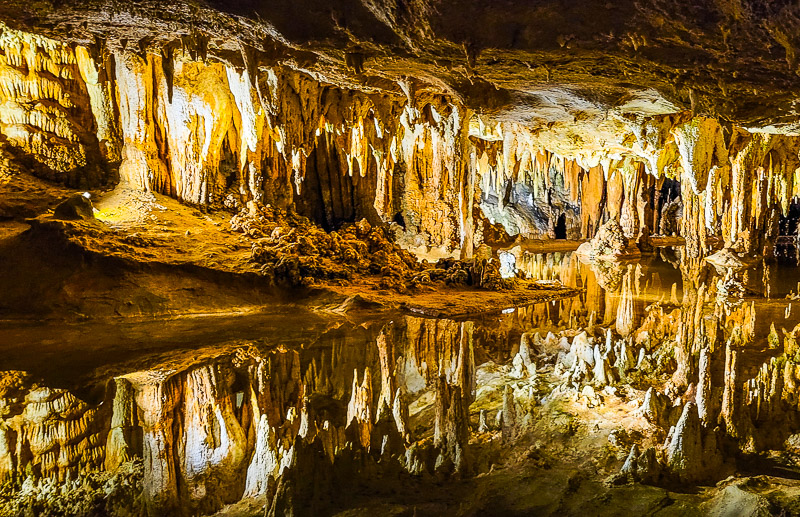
(380,257)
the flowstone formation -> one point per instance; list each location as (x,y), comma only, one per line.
(610,243)
(295,251)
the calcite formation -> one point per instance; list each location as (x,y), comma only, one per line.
(343,165)
(610,243)
(48,431)
(217,132)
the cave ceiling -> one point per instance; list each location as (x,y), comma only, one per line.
(537,63)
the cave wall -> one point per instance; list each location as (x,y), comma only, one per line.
(57,115)
(211,134)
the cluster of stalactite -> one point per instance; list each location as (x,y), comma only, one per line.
(209,133)
(284,427)
(56,109)
(733,185)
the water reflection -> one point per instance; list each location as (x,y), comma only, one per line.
(368,397)
(296,410)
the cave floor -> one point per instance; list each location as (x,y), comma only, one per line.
(138,230)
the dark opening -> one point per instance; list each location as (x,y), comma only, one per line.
(326,195)
(229,165)
(329,195)
(561,227)
(670,190)
(788,223)
(509,188)
(786,248)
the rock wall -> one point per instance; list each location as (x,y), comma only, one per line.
(210,133)
(57,114)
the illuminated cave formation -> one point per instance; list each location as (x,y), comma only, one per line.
(412,258)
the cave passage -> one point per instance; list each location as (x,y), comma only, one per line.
(561,227)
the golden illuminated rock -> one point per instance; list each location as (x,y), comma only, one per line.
(429,257)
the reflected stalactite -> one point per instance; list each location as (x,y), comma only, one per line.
(157,399)
(407,397)
(359,410)
(213,446)
(123,442)
(249,424)
(626,315)
(49,432)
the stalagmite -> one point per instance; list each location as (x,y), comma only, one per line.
(692,453)
(705,402)
(640,467)
(655,407)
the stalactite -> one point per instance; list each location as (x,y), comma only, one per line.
(701,146)
(423,163)
(52,99)
(141,167)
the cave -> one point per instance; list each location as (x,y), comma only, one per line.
(366,257)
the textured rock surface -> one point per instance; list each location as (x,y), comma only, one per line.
(443,149)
